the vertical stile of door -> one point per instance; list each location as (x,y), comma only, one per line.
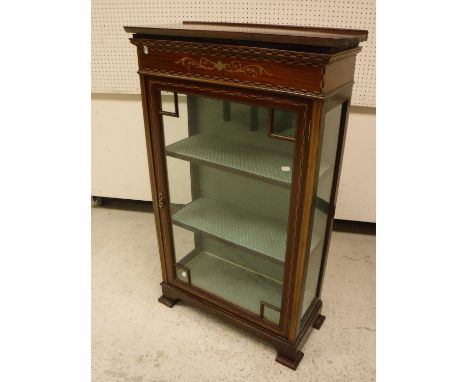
(295,213)
(300,144)
(162,181)
(152,152)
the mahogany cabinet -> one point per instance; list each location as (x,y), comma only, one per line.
(245,127)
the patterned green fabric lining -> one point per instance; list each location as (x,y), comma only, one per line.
(235,284)
(241,227)
(255,160)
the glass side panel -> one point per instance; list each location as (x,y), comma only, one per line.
(229,185)
(322,201)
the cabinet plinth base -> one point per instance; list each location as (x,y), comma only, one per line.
(288,353)
(167,301)
(292,363)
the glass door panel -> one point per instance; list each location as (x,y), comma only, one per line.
(229,190)
(322,202)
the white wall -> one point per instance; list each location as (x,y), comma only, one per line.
(120,169)
(356,192)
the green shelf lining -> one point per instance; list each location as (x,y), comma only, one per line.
(240,227)
(235,284)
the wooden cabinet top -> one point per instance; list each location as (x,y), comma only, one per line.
(326,40)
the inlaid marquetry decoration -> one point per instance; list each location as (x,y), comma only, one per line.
(230,67)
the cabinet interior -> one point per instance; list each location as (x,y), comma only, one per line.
(230,214)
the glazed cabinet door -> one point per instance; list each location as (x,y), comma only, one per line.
(229,169)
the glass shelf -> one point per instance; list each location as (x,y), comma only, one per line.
(232,282)
(236,156)
(240,227)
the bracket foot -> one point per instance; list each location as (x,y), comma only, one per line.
(292,363)
(167,301)
(318,322)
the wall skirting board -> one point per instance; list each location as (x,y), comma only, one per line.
(120,169)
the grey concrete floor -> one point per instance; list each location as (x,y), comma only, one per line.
(137,339)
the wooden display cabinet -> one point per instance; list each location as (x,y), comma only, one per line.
(245,127)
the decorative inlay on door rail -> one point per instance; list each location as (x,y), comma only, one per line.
(232,67)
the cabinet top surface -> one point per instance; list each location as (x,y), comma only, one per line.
(332,38)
